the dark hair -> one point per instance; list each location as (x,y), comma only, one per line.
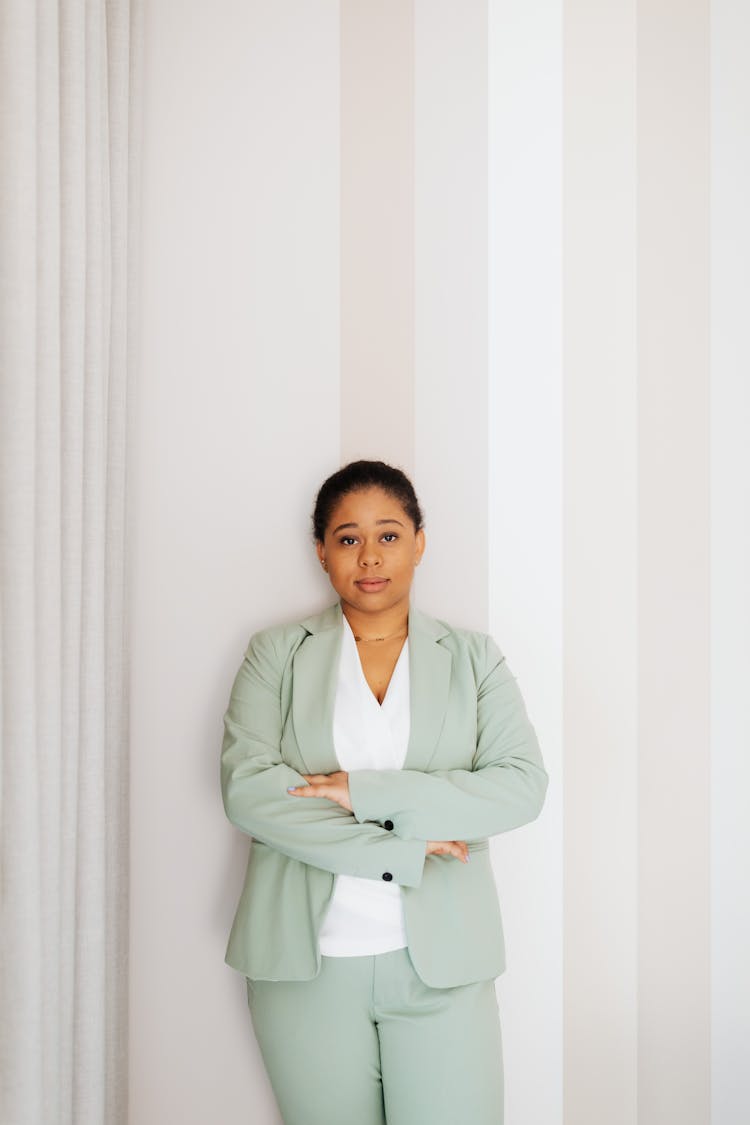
(355,477)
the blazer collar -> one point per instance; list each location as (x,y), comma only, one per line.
(330,618)
(315,670)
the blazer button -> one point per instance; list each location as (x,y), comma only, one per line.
(388,824)
(387,876)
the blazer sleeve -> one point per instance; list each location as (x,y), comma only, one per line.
(504,789)
(254,782)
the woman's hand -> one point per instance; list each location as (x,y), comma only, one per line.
(448,847)
(332,786)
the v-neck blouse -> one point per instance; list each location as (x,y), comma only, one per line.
(365,916)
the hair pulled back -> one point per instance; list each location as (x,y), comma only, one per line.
(355,477)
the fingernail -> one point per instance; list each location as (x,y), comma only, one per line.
(291,788)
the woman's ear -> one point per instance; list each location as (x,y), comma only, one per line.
(320,549)
(420,545)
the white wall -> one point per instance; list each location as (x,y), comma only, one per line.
(236,423)
(535,223)
(525,518)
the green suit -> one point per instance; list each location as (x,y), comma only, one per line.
(473,769)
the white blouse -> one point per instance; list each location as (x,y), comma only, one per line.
(366,916)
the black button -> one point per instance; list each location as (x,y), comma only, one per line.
(389,825)
(387,876)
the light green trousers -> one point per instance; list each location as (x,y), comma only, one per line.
(366,1042)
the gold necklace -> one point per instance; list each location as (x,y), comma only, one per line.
(387,637)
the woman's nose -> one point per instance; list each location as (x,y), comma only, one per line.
(369,555)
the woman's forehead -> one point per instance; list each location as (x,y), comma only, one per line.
(371,505)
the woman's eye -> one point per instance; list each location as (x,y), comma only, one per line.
(390,536)
(347,540)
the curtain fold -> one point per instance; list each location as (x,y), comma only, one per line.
(67,151)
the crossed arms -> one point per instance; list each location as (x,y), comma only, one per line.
(504,789)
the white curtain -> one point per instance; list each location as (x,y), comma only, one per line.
(66,190)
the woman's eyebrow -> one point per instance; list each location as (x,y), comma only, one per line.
(378,522)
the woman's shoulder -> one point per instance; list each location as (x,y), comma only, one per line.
(474,644)
(285,637)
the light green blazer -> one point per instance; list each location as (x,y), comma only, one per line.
(473,769)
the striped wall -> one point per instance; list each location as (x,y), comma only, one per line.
(505,245)
(729,409)
(600,532)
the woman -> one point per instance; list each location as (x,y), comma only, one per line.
(370,751)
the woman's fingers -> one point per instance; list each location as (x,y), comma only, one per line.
(454,848)
(313,789)
(332,786)
(317,785)
(457,848)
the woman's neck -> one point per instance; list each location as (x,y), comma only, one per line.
(368,626)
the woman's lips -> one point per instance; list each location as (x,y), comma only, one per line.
(371,585)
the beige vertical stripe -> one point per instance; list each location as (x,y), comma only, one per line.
(600,788)
(673,577)
(730,561)
(451,328)
(377,231)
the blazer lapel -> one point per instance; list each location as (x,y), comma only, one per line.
(315,669)
(429,679)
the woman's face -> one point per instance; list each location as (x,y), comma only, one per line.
(370,551)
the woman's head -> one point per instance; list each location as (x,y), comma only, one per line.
(368,533)
(356,477)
